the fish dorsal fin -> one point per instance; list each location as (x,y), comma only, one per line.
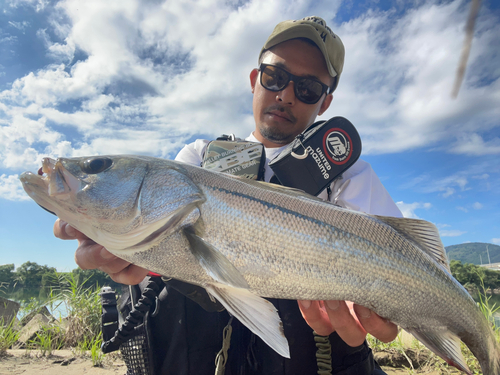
(213,261)
(445,344)
(256,313)
(422,233)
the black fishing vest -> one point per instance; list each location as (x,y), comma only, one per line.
(186,339)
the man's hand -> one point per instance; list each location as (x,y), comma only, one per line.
(352,322)
(90,255)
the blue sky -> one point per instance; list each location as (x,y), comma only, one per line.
(85,78)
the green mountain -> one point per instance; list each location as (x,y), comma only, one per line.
(474,252)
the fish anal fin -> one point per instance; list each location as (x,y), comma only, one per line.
(213,261)
(422,233)
(256,313)
(445,344)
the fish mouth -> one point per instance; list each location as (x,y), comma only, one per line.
(51,180)
(58,180)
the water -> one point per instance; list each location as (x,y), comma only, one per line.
(493,303)
(33,299)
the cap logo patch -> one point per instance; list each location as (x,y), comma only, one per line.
(337,146)
(319,21)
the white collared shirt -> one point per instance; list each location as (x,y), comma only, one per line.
(358,189)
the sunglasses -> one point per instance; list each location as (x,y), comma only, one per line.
(307,90)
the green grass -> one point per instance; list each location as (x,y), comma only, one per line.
(79,329)
(49,338)
(83,307)
(8,335)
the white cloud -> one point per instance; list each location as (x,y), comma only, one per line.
(399,73)
(18,140)
(473,144)
(445,186)
(163,72)
(448,191)
(11,188)
(477,206)
(21,26)
(462,209)
(408,209)
(38,5)
(451,233)
(484,176)
(61,52)
(54,85)
(495,241)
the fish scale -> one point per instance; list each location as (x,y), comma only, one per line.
(243,240)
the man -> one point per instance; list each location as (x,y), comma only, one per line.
(299,67)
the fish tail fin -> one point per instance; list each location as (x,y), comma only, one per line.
(445,344)
(491,365)
(494,366)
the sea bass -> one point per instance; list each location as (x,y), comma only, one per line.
(243,240)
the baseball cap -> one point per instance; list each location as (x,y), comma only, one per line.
(315,29)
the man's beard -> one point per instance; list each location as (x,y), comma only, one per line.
(275,135)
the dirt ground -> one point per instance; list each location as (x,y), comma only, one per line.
(61,362)
(64,362)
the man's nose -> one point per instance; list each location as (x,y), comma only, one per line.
(287,95)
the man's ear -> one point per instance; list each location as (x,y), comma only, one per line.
(326,103)
(253,78)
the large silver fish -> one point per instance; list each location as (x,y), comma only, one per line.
(243,240)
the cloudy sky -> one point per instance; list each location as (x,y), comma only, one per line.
(146,77)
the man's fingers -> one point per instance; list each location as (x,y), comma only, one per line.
(91,255)
(130,275)
(378,327)
(347,327)
(316,317)
(64,231)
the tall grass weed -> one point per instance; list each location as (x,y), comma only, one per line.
(78,326)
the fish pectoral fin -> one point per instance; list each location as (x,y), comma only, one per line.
(422,233)
(445,344)
(161,229)
(256,313)
(213,261)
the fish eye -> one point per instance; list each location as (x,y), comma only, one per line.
(96,165)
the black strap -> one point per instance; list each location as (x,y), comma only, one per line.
(109,316)
(136,316)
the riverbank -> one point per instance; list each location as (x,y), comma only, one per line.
(65,362)
(60,362)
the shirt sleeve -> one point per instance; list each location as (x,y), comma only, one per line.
(360,189)
(193,152)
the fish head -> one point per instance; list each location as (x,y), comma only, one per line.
(118,201)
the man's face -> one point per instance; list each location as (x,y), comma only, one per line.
(280,116)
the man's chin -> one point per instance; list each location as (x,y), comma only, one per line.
(276,137)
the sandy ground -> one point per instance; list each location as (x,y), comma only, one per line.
(61,362)
(64,362)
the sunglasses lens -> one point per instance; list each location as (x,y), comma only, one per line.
(274,79)
(308,91)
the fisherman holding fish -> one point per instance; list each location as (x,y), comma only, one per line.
(299,68)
